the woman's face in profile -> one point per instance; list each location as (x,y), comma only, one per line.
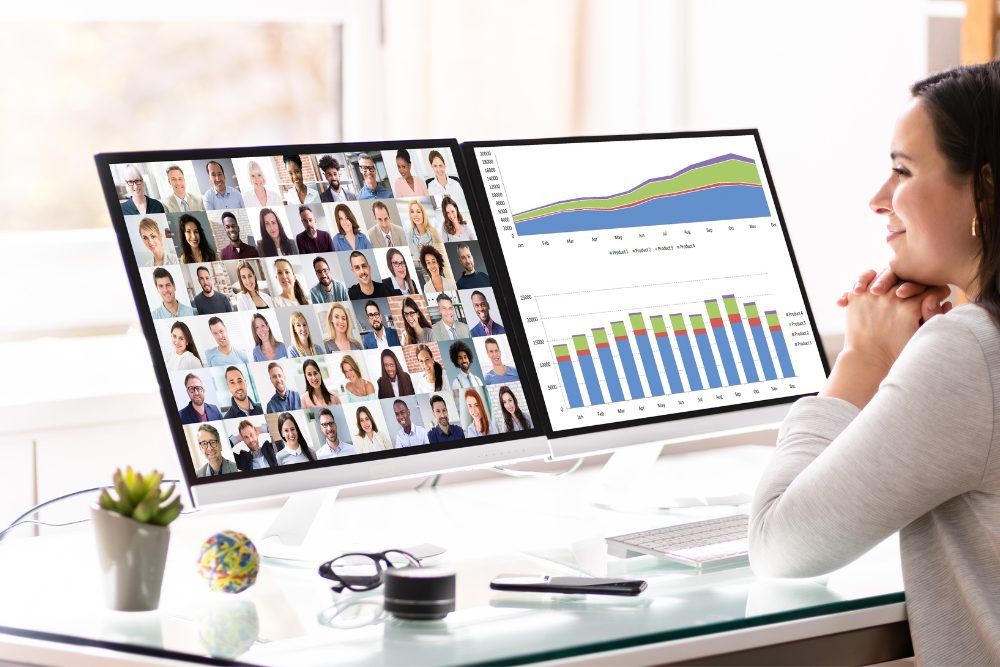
(191,234)
(404,167)
(290,434)
(416,217)
(153,241)
(928,209)
(271,226)
(438,166)
(508,403)
(248,280)
(179,340)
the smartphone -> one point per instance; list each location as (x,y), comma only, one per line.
(571,585)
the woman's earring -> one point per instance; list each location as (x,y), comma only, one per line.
(975,221)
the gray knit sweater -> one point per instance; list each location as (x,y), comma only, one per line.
(923,459)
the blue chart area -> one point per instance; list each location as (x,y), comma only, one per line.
(724,202)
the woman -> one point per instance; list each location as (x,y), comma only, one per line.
(422,231)
(302,343)
(399,281)
(151,237)
(455,226)
(292,293)
(513,418)
(350,236)
(250,297)
(368,437)
(185,356)
(434,267)
(258,194)
(902,435)
(394,381)
(194,244)
(273,239)
(442,183)
(406,185)
(138,203)
(299,193)
(267,348)
(432,379)
(342,339)
(316,394)
(357,387)
(480,424)
(296,449)
(416,327)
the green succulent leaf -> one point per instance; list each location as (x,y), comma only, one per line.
(141,498)
(125,503)
(168,513)
(107,502)
(165,496)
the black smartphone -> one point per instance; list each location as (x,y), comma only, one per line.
(571,585)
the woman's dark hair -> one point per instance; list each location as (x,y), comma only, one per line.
(436,254)
(295,159)
(303,445)
(323,391)
(411,334)
(507,418)
(348,214)
(300,294)
(448,226)
(438,370)
(267,243)
(400,371)
(191,347)
(405,154)
(964,107)
(187,254)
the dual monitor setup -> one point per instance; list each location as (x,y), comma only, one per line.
(330,315)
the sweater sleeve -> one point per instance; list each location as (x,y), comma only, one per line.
(842,479)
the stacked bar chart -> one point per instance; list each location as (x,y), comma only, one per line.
(686,357)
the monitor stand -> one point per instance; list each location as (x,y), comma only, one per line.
(637,479)
(302,533)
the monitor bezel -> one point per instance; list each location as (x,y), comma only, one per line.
(336,472)
(759,415)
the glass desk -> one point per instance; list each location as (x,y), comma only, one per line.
(52,611)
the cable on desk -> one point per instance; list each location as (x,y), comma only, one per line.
(22,520)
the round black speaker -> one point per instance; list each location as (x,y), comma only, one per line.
(419,593)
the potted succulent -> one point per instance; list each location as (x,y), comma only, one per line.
(131,527)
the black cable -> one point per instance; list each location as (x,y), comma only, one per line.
(22,519)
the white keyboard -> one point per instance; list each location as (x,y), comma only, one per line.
(721,541)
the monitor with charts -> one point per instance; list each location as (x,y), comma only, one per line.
(654,288)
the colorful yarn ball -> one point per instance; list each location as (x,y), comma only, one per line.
(229,562)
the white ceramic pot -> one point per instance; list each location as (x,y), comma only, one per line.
(132,556)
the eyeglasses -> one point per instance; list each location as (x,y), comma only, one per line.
(205,444)
(367,168)
(133,184)
(363,571)
(409,313)
(398,262)
(373,316)
(195,390)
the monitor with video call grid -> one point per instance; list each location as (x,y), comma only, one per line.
(319,315)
